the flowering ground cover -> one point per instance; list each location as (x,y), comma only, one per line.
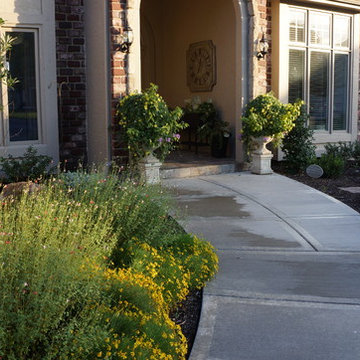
(91,267)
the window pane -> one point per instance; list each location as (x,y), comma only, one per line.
(297,26)
(342,31)
(340,91)
(296,74)
(319,86)
(319,28)
(23,113)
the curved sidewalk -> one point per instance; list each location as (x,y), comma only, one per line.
(289,280)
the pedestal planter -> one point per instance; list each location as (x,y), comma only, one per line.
(261,157)
(149,168)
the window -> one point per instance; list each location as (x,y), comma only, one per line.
(319,58)
(21,110)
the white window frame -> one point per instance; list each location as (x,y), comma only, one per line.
(5,140)
(320,137)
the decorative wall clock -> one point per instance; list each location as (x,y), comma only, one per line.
(201,66)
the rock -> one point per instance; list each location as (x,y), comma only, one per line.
(15,190)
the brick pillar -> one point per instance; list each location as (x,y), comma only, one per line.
(260,21)
(71,78)
(119,78)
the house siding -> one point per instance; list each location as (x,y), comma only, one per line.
(71,80)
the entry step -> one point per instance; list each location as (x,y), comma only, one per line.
(186,170)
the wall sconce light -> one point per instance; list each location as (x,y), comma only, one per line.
(126,39)
(263,47)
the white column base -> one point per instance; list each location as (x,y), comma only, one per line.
(150,169)
(261,164)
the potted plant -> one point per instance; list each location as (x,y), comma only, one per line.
(211,127)
(149,129)
(266,119)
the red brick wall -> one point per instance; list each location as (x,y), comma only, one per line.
(71,78)
(119,79)
(261,22)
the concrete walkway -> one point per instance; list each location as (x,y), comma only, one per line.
(288,287)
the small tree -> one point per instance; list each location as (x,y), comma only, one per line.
(298,144)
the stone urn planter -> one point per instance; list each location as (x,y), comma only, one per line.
(266,115)
(149,168)
(261,156)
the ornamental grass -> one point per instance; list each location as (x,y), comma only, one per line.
(90,267)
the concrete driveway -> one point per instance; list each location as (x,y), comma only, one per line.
(288,287)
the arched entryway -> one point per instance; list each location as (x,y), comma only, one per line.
(168,28)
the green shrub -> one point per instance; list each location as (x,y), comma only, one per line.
(137,210)
(30,166)
(43,297)
(148,124)
(341,149)
(298,144)
(356,153)
(53,216)
(349,152)
(333,165)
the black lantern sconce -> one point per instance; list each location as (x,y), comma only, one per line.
(126,39)
(263,47)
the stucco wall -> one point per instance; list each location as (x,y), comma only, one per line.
(178,23)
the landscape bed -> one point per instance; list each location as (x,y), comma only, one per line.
(92,267)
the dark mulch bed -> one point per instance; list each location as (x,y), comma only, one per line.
(187,315)
(351,178)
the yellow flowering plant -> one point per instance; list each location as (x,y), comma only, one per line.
(61,295)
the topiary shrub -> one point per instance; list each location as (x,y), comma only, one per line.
(298,144)
(333,165)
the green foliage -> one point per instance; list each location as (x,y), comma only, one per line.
(5,46)
(42,296)
(347,151)
(62,298)
(333,165)
(298,146)
(344,150)
(212,126)
(267,116)
(148,125)
(30,166)
(356,153)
